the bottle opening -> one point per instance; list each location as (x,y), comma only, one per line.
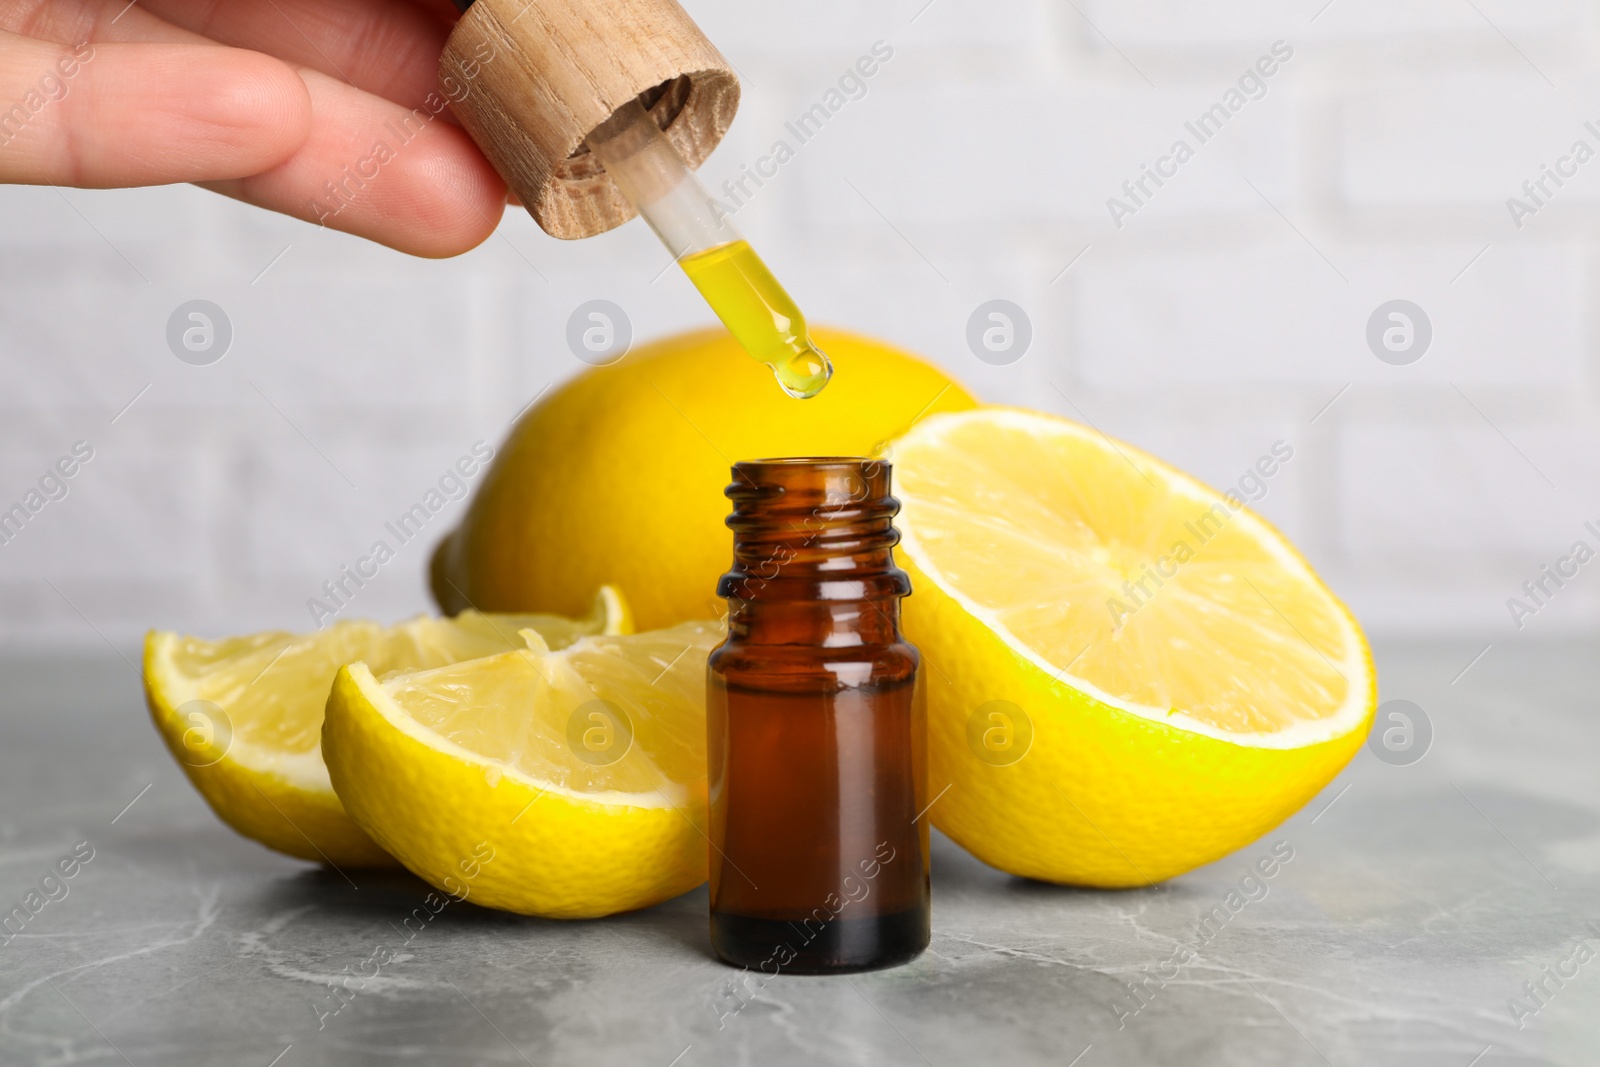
(783,488)
(809,461)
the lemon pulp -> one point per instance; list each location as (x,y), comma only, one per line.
(514,711)
(1129,579)
(760,314)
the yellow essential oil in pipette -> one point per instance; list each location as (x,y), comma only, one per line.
(762,317)
(652,176)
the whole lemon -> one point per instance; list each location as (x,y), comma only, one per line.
(616,477)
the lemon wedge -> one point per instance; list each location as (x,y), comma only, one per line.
(566,783)
(243,715)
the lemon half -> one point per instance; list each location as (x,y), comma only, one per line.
(243,715)
(1130,674)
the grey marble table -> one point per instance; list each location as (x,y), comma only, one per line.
(1418,902)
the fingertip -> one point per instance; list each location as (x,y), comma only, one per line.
(460,201)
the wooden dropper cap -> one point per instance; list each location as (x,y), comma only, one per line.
(531,79)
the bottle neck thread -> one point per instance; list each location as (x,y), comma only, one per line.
(809,531)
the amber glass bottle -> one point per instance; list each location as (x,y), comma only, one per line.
(815,723)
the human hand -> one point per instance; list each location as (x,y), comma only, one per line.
(326,110)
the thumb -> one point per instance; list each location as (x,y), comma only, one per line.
(104,115)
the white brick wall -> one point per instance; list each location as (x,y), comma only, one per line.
(1270,309)
(1222,316)
(1171,24)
